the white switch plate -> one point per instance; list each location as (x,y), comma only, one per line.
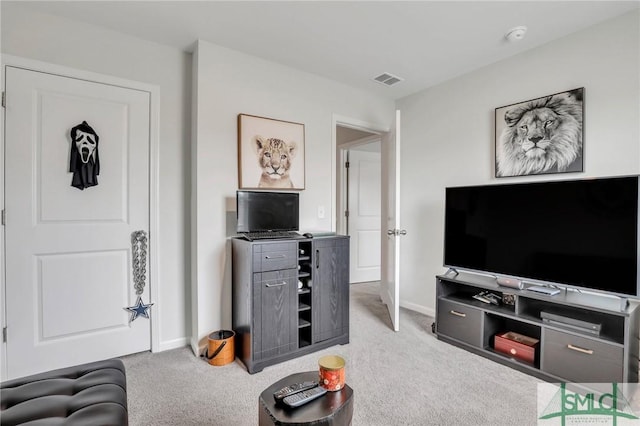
(320,212)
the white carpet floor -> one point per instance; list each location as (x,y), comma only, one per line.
(399,378)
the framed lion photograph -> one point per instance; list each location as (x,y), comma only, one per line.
(540,136)
(270,153)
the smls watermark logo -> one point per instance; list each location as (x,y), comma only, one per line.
(564,404)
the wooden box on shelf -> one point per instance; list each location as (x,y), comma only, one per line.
(516,345)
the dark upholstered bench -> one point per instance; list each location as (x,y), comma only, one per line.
(89,394)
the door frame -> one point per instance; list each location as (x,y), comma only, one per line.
(154,122)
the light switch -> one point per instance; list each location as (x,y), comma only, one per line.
(320,212)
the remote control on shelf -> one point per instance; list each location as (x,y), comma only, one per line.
(294,388)
(301,398)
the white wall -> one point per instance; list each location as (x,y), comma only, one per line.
(85,47)
(227,83)
(448,132)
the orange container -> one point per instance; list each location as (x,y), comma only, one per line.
(331,372)
(220,350)
(517,345)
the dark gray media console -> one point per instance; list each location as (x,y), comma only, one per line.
(605,350)
(274,320)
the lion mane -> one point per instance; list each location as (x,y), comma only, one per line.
(542,136)
(274,158)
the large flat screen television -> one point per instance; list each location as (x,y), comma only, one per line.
(577,233)
(259,211)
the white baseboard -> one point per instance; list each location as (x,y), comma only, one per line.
(418,308)
(195,346)
(173,344)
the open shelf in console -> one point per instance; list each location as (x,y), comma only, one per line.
(305,298)
(496,324)
(574,319)
(464,294)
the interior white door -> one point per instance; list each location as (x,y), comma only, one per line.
(364,215)
(390,280)
(69,250)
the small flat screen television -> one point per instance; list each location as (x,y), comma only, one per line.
(577,233)
(267,211)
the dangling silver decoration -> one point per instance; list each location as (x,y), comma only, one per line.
(139,264)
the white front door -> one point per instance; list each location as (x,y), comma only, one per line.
(364,215)
(391,232)
(68,248)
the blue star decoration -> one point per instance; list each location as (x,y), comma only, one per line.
(138,309)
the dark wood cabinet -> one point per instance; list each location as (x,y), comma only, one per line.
(331,269)
(290,297)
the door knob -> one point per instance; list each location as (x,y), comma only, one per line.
(391,232)
(403,232)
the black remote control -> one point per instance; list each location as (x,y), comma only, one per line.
(294,388)
(301,398)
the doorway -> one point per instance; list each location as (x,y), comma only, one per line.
(360,203)
(361,185)
(389,204)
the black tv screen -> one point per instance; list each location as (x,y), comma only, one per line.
(578,233)
(267,211)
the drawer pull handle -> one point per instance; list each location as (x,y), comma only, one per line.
(279,256)
(277,285)
(458,314)
(579,349)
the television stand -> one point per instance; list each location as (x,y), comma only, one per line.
(568,352)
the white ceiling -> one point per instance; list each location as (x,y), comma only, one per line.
(424,42)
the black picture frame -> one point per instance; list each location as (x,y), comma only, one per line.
(544,135)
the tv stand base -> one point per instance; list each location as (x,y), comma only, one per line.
(564,354)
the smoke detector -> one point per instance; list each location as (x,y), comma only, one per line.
(387,79)
(516,34)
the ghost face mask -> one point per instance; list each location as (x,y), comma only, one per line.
(86,145)
(84,161)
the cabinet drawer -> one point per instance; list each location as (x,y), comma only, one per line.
(579,359)
(460,322)
(271,257)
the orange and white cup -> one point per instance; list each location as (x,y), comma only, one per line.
(331,372)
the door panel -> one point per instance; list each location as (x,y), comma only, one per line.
(390,281)
(364,215)
(68,274)
(62,279)
(106,201)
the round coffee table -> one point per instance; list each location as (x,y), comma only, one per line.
(333,408)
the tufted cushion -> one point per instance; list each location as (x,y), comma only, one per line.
(89,394)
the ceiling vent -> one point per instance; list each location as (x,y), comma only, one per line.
(387,79)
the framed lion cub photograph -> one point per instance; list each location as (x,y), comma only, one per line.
(540,136)
(270,153)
